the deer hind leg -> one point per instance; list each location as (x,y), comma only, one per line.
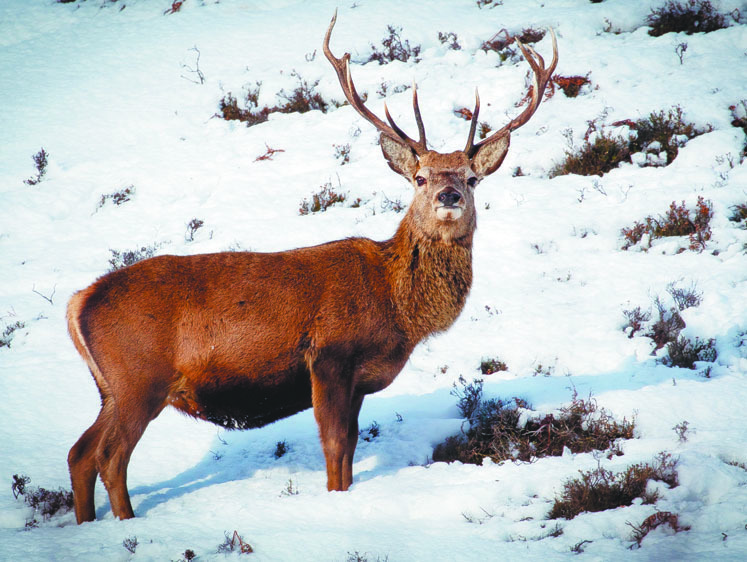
(83,467)
(115,449)
(332,400)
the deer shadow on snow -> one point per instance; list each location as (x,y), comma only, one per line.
(235,456)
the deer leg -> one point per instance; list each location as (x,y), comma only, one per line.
(83,470)
(114,452)
(331,399)
(352,442)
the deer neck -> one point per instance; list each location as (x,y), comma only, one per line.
(430,278)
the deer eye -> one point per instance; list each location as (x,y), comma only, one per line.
(472,182)
(420,180)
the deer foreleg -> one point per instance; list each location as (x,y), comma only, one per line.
(331,397)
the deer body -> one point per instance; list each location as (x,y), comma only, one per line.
(243,339)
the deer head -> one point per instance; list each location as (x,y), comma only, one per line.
(444,183)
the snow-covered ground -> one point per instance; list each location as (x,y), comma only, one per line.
(108,92)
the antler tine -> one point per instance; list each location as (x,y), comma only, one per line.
(541,77)
(473,124)
(342,68)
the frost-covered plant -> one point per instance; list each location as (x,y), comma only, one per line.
(8,332)
(118,197)
(601,489)
(693,16)
(652,522)
(303,98)
(571,85)
(665,131)
(322,200)
(449,39)
(394,48)
(234,543)
(342,153)
(494,429)
(492,365)
(678,221)
(125,258)
(595,158)
(683,352)
(40,163)
(43,501)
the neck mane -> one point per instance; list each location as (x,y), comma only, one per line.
(430,278)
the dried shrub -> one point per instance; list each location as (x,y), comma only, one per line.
(601,489)
(571,85)
(636,319)
(342,153)
(594,158)
(235,543)
(281,447)
(46,502)
(449,39)
(503,40)
(303,98)
(652,522)
(371,432)
(192,227)
(693,16)
(494,431)
(394,48)
(230,111)
(664,131)
(128,257)
(739,214)
(9,331)
(678,221)
(130,544)
(683,352)
(118,197)
(490,366)
(322,200)
(40,163)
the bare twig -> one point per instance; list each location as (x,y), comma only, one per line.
(45,297)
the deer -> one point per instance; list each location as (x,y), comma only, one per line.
(243,339)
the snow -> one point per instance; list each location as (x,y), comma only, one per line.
(107,93)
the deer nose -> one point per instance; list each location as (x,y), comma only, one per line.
(449,197)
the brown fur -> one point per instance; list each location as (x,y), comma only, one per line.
(244,339)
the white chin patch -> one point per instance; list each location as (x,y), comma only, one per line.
(449,213)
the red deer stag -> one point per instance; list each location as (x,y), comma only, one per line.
(242,339)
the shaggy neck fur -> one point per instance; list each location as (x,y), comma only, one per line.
(430,278)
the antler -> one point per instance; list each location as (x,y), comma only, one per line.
(541,77)
(342,67)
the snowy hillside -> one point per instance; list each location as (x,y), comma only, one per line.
(125,101)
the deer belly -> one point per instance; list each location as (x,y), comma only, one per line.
(236,400)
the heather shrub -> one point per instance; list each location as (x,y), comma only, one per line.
(571,85)
(495,432)
(693,16)
(677,221)
(40,163)
(664,131)
(321,200)
(595,158)
(125,258)
(394,48)
(601,489)
(45,502)
(9,332)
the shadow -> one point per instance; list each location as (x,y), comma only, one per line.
(410,427)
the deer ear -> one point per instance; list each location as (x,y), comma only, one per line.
(399,156)
(490,156)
